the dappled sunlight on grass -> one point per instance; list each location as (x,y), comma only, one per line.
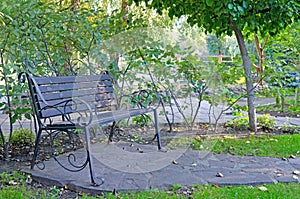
(263,145)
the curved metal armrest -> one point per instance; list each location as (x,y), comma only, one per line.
(85,114)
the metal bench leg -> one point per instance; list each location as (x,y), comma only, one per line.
(157,129)
(36,148)
(94,180)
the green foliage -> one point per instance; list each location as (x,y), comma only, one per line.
(263,16)
(9,177)
(238,123)
(226,17)
(266,122)
(22,137)
(142,120)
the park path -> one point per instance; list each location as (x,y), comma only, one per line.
(124,168)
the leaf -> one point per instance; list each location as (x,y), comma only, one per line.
(241,9)
(245,4)
(296,172)
(27,116)
(263,188)
(209,3)
(174,162)
(230,6)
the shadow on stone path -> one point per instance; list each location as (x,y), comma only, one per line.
(124,169)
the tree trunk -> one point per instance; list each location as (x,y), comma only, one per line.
(249,81)
(259,50)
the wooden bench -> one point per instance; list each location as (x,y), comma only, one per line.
(66,103)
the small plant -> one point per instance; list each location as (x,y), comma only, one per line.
(142,120)
(22,137)
(176,187)
(287,127)
(266,122)
(238,123)
(13,177)
(54,192)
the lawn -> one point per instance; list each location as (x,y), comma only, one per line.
(264,145)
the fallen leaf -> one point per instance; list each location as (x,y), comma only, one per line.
(140,150)
(198,137)
(296,172)
(263,188)
(12,182)
(174,162)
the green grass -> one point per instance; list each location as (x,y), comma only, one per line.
(13,185)
(291,109)
(286,191)
(264,145)
(273,191)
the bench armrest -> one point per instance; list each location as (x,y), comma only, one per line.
(70,107)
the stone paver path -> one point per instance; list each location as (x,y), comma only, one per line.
(123,167)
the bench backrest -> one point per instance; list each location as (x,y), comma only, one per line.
(96,90)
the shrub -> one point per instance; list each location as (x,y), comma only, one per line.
(141,120)
(266,122)
(238,123)
(22,137)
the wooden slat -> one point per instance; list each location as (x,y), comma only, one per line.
(69,109)
(72,86)
(62,110)
(76,93)
(96,90)
(87,99)
(70,79)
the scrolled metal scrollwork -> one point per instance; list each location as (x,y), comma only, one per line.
(69,108)
(70,163)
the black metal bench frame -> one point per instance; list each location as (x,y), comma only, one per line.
(88,99)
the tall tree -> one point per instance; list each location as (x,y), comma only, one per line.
(240,17)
